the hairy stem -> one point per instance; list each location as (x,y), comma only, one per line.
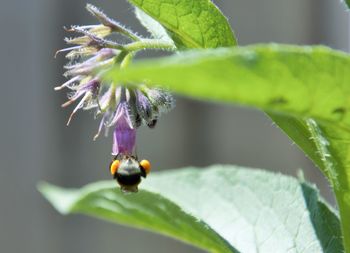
(149,44)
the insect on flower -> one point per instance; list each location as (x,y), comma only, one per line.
(127,170)
(121,107)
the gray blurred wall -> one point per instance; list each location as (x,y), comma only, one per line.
(36,145)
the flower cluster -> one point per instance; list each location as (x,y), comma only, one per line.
(124,108)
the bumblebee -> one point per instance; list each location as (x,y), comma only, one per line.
(127,171)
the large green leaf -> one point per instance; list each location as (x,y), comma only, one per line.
(251,210)
(191,24)
(303,81)
(304,89)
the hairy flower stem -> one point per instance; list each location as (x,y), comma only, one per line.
(149,44)
(127,60)
(113,25)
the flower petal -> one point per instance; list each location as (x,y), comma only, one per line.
(79,106)
(69,82)
(124,135)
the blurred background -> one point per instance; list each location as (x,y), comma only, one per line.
(36,145)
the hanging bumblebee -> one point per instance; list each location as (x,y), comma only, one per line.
(127,171)
(125,167)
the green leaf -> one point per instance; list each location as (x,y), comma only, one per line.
(215,209)
(302,81)
(190,24)
(304,89)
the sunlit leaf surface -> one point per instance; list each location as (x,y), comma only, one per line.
(219,209)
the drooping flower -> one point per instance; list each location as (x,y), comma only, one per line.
(123,108)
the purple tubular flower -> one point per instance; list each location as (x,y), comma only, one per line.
(124,135)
